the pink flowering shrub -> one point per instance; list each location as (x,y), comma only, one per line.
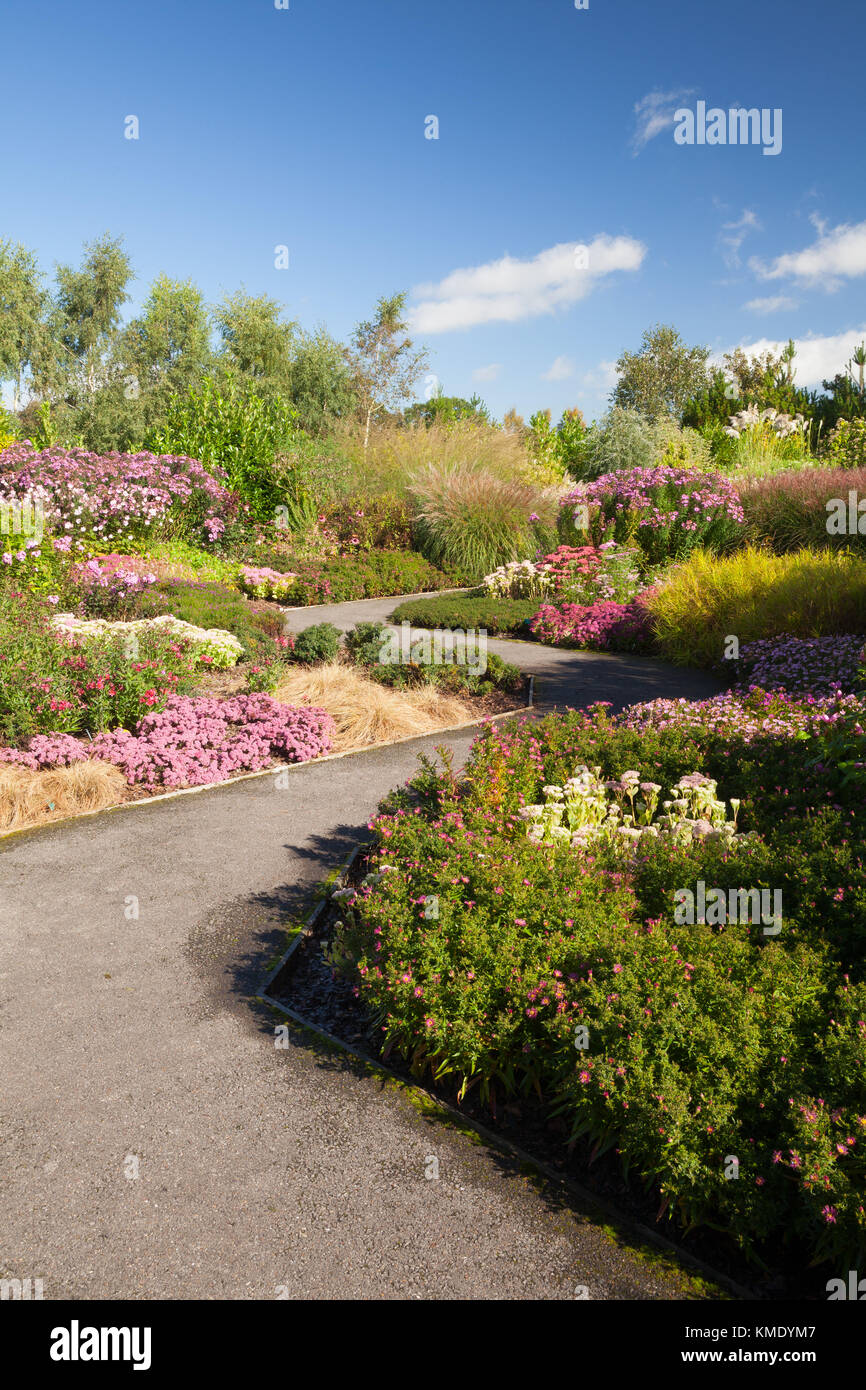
(52,683)
(193,741)
(666,511)
(108,497)
(605,626)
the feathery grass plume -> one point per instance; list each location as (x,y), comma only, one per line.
(789,510)
(396,453)
(32,798)
(470,520)
(367,713)
(754,594)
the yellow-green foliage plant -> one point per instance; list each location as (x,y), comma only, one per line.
(397,453)
(754,594)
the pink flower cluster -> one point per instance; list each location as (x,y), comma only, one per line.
(604,626)
(193,741)
(106,496)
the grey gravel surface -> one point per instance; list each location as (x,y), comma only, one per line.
(154,1143)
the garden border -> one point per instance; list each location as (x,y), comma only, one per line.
(269,771)
(461,1121)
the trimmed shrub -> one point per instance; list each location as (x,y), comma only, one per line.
(505,616)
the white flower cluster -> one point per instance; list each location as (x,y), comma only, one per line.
(519,579)
(783,425)
(223,648)
(623,810)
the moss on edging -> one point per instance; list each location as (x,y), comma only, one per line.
(700,1281)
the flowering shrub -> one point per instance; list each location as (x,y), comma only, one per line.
(266,583)
(41,566)
(564,970)
(817,665)
(618,627)
(192,742)
(110,497)
(667,512)
(110,589)
(51,682)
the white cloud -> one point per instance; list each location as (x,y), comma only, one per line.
(600,379)
(488,373)
(773,305)
(736,235)
(817,359)
(559,370)
(839,253)
(653,114)
(508,290)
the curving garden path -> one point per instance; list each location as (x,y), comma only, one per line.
(133,1044)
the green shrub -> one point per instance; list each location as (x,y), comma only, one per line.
(846,445)
(318,643)
(233,428)
(368,645)
(505,616)
(753,594)
(371,574)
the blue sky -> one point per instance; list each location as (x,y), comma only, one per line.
(305,127)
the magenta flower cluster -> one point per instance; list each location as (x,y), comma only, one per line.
(106,497)
(604,626)
(193,741)
(816,664)
(667,511)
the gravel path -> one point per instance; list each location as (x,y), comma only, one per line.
(130,946)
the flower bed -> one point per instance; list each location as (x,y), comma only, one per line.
(616,627)
(566,969)
(109,497)
(817,665)
(192,742)
(210,646)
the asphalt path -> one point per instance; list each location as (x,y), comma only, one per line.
(155,1143)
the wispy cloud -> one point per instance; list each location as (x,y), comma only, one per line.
(653,114)
(560,369)
(817,359)
(508,290)
(838,254)
(488,373)
(733,234)
(600,379)
(773,305)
